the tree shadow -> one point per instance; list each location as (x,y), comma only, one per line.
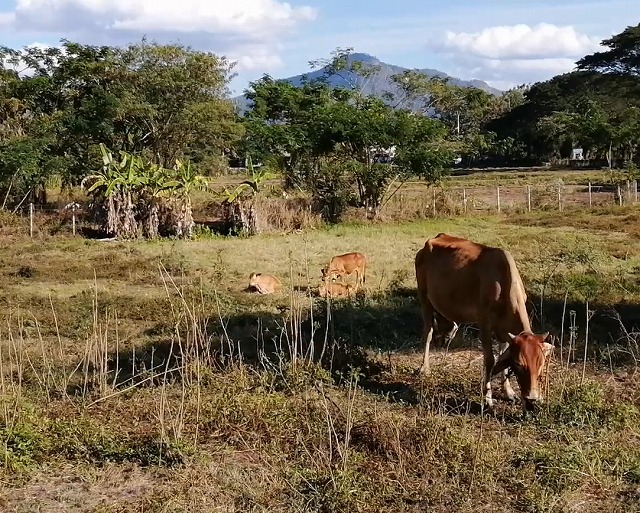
(614,329)
(216,226)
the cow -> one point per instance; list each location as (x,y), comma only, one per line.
(264,283)
(335,289)
(346,264)
(465,282)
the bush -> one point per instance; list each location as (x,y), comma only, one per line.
(331,191)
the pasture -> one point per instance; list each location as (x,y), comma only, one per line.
(143,376)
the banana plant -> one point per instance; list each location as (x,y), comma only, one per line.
(186,180)
(257,177)
(135,192)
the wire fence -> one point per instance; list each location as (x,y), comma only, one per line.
(414,202)
(485,199)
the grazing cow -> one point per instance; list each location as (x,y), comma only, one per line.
(346,264)
(471,283)
(264,283)
(335,289)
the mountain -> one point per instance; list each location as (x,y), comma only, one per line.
(375,85)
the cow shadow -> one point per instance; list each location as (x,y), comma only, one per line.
(342,335)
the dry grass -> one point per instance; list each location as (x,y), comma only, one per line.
(143,377)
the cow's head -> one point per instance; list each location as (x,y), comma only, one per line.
(329,275)
(526,356)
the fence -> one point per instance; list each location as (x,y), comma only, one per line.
(511,198)
(423,201)
(71,214)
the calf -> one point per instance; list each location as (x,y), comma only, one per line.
(264,283)
(346,264)
(335,289)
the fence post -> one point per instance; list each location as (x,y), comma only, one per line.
(73,217)
(31,219)
(635,191)
(589,194)
(464,199)
(619,196)
(434,203)
(528,198)
(559,198)
(498,197)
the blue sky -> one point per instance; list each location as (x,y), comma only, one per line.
(504,42)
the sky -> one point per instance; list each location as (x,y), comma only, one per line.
(503,42)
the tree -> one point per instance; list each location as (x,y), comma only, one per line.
(326,138)
(622,58)
(177,103)
(423,149)
(166,102)
(354,73)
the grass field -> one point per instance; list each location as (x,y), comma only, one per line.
(144,377)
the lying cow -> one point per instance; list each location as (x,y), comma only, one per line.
(348,263)
(335,289)
(264,283)
(470,283)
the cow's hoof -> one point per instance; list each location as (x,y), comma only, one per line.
(487,406)
(486,409)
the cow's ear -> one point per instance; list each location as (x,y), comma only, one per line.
(547,349)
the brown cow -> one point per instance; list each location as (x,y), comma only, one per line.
(346,264)
(264,283)
(335,289)
(471,283)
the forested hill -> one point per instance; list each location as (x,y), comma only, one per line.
(378,84)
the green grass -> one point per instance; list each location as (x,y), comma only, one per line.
(143,377)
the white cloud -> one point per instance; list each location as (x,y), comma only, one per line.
(534,65)
(523,41)
(505,56)
(244,30)
(6,18)
(257,58)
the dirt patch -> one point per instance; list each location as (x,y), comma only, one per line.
(78,490)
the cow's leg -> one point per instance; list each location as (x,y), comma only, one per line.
(451,334)
(427,334)
(504,375)
(489,362)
